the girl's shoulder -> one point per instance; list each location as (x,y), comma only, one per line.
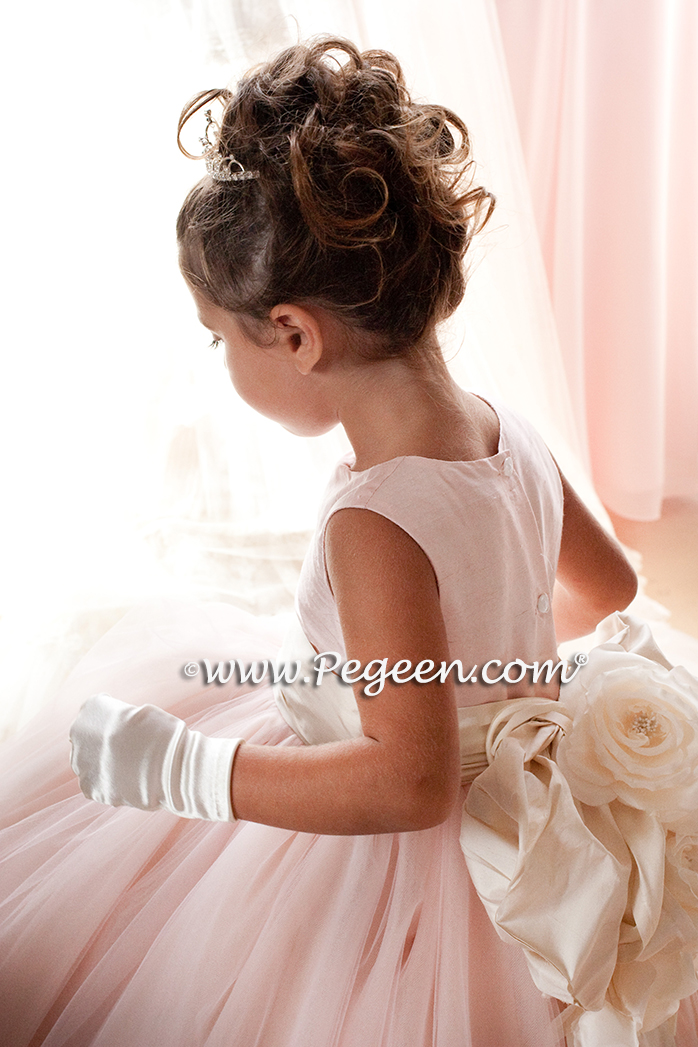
(496,506)
(472,519)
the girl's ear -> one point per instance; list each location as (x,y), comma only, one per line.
(300,334)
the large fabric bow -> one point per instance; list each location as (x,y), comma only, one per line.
(581,837)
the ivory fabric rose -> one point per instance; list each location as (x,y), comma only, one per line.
(635,739)
(682,853)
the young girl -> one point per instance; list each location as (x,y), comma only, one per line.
(304,883)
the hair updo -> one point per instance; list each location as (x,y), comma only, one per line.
(360,202)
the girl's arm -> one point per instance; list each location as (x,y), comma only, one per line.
(404,773)
(594,578)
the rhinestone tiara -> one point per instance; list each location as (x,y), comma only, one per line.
(228,169)
(222,168)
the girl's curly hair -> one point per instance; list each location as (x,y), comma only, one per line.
(362,201)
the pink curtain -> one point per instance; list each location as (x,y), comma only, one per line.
(606,93)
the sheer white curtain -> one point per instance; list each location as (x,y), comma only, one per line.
(130,468)
(607,99)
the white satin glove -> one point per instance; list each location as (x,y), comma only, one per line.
(146,758)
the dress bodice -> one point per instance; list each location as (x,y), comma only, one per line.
(491,529)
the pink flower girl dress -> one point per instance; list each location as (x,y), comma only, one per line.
(122,927)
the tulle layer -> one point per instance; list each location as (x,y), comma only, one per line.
(119,927)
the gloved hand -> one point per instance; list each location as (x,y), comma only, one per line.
(147,758)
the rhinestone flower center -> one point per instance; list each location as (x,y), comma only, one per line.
(645,722)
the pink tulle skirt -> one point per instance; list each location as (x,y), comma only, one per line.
(120,928)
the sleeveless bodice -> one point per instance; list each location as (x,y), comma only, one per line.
(491,529)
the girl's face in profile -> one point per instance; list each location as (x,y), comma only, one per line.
(265,375)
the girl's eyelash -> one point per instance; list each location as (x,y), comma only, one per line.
(215,343)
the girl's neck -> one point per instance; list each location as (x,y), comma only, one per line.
(392,408)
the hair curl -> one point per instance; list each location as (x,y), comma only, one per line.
(363,201)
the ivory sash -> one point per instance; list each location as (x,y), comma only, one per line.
(607,924)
